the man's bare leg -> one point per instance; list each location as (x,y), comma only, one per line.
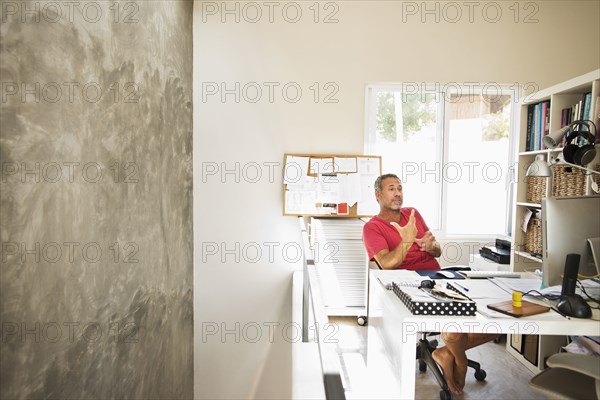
(444,358)
(476,339)
(458,344)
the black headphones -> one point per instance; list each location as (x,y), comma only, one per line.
(582,150)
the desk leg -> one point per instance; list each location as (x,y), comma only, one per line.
(408,370)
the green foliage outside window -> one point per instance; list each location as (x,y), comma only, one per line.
(416,114)
(419,110)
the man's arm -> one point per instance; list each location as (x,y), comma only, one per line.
(393,259)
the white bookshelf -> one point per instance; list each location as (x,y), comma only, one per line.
(561,96)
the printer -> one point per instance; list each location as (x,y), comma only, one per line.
(500,253)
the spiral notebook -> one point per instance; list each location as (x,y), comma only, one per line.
(421,302)
(401,277)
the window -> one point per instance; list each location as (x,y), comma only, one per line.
(452,151)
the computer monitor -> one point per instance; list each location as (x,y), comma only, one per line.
(567,224)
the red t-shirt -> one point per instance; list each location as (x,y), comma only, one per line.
(379,234)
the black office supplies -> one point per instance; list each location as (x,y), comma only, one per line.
(427,284)
(500,253)
(570,303)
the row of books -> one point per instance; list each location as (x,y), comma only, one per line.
(580,110)
(538,119)
(538,125)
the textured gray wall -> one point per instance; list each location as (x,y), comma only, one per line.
(96,199)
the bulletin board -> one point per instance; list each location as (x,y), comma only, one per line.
(330,185)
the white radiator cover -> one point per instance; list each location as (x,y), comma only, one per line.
(341,263)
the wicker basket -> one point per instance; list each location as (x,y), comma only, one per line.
(533,236)
(568,181)
(536,188)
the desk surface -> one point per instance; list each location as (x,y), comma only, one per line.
(483,322)
(398,328)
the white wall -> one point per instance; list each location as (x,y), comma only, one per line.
(369,43)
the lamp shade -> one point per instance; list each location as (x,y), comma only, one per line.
(555,138)
(539,167)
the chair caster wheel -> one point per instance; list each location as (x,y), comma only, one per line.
(445,395)
(361,320)
(422,366)
(480,375)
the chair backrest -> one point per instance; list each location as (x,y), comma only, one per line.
(374,265)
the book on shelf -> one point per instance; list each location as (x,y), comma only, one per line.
(545,121)
(587,105)
(538,125)
(565,117)
(581,110)
(528,136)
(536,117)
(531,128)
(536,128)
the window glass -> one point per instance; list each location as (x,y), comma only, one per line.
(478,132)
(451,151)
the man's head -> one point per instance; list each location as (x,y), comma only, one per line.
(388,192)
(379,180)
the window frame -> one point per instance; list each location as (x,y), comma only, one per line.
(442,138)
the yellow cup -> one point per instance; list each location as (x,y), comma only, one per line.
(517,298)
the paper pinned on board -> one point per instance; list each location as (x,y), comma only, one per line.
(295,170)
(368,166)
(321,165)
(345,164)
(328,192)
(350,188)
(300,202)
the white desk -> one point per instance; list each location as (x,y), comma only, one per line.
(399,329)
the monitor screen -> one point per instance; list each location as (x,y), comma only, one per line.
(567,224)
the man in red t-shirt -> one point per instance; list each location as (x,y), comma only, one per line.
(398,238)
(395,225)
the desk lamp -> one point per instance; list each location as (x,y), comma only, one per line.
(539,167)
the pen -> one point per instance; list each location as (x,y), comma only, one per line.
(560,312)
(462,287)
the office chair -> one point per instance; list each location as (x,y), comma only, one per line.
(569,376)
(425,349)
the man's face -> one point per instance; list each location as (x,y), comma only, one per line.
(391,196)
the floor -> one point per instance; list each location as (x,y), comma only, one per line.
(506,377)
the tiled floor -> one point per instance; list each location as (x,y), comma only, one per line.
(506,377)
